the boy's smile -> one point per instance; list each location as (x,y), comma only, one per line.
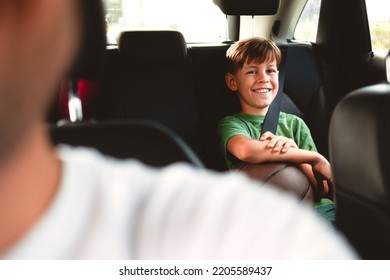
(256,84)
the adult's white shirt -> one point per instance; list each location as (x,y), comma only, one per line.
(112,209)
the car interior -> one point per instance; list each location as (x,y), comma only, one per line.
(156,97)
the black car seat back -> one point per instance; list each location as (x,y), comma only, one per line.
(360,157)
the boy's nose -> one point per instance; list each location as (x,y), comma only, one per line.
(262,77)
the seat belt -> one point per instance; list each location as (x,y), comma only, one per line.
(272,117)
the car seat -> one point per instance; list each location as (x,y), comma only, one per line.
(360,157)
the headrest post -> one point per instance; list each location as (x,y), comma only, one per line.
(253,25)
(227,29)
(232,28)
(388,67)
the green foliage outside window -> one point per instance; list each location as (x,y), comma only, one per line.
(380,35)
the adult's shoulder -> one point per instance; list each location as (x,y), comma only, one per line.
(181,212)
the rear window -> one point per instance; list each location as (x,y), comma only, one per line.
(199,21)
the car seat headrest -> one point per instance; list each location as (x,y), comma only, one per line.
(89,61)
(248,7)
(152,45)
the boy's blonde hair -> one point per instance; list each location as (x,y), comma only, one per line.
(256,49)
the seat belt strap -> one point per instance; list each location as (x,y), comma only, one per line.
(272,117)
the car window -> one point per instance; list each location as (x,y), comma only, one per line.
(378,18)
(307,26)
(378,12)
(199,21)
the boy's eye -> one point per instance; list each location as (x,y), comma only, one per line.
(250,72)
(272,71)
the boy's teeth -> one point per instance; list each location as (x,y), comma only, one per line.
(263,90)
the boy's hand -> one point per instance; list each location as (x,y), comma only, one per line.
(323,174)
(278,143)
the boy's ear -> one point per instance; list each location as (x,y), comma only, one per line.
(231,82)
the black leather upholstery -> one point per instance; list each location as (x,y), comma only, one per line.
(146,141)
(157,82)
(216,101)
(360,156)
(303,86)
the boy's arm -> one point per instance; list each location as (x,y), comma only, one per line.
(277,143)
(256,151)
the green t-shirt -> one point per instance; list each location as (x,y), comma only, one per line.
(289,126)
(250,126)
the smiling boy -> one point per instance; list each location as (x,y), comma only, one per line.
(253,74)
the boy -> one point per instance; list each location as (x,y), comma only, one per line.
(253,74)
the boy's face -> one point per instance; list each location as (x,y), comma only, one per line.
(256,84)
